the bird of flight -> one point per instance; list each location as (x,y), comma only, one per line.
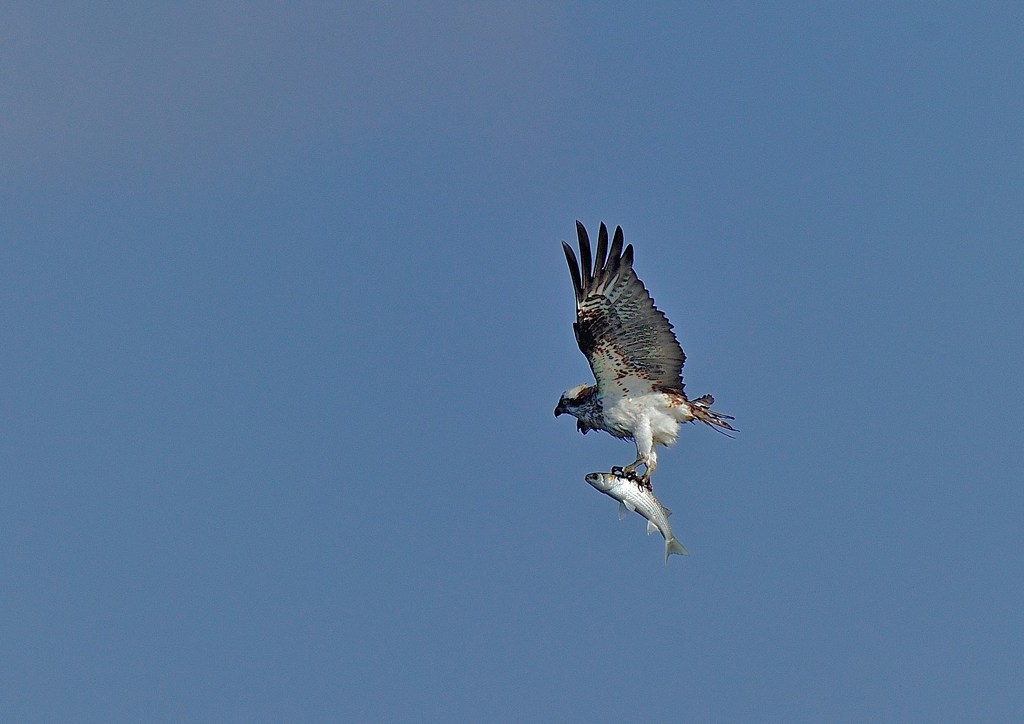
(635,357)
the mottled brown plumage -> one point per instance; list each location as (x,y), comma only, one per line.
(632,350)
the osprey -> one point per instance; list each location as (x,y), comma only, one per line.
(633,353)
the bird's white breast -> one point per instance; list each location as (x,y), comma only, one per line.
(630,413)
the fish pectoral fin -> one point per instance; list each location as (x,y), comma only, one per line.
(651,527)
(624,509)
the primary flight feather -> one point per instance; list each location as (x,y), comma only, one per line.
(635,356)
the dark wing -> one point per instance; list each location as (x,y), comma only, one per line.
(627,340)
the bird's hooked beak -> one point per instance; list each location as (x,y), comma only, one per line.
(560,409)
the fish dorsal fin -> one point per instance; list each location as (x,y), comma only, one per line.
(651,527)
(667,511)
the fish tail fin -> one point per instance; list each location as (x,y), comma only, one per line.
(674,546)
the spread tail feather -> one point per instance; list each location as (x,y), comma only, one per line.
(701,410)
(674,546)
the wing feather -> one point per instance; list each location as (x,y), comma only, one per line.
(584,241)
(627,340)
(615,253)
(574,271)
(602,248)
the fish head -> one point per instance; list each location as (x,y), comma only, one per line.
(602,481)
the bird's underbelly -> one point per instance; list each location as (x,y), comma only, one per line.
(626,416)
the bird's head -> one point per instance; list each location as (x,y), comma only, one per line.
(574,401)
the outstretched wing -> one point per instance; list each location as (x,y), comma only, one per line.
(627,340)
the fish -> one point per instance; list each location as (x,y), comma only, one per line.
(633,497)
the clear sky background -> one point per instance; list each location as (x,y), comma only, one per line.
(285,318)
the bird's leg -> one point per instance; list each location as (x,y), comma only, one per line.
(641,479)
(645,455)
(626,472)
(649,466)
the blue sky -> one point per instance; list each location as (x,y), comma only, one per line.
(286,317)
